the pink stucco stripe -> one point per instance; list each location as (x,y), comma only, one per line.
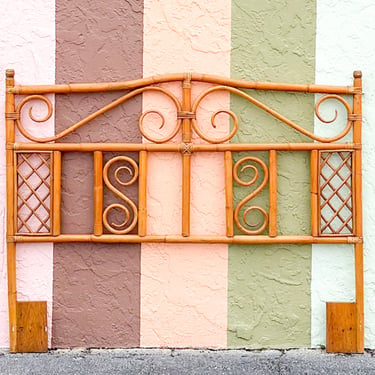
(27,44)
(34,275)
(184,287)
(184,296)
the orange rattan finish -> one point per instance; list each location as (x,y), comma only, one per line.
(336,207)
(34,193)
(34,168)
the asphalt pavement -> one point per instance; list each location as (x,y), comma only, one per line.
(186,361)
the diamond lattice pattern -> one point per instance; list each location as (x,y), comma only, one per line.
(34,193)
(336,206)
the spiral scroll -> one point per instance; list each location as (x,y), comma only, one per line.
(177,126)
(231,114)
(96,114)
(129,210)
(273,113)
(333,119)
(21,104)
(249,163)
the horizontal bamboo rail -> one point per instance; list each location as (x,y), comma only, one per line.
(197,77)
(176,147)
(237,239)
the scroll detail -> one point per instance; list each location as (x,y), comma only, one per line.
(129,209)
(253,164)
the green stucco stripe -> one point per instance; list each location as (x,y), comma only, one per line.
(269,286)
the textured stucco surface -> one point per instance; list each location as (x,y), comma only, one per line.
(99,305)
(29,50)
(184,291)
(344,39)
(269,286)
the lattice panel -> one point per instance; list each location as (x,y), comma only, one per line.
(34,193)
(336,195)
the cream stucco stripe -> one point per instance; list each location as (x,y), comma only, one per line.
(27,44)
(344,43)
(184,287)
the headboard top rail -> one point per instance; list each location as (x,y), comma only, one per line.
(174,77)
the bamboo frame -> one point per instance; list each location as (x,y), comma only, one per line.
(186,156)
(175,147)
(229,193)
(236,239)
(187,123)
(358,248)
(11,246)
(272,226)
(207,78)
(56,193)
(142,195)
(98,193)
(314,187)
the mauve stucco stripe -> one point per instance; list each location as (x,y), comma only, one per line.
(184,286)
(96,286)
(269,286)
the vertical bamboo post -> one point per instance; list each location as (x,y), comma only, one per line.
(229,192)
(142,194)
(186,156)
(98,193)
(272,228)
(56,193)
(11,211)
(314,186)
(358,249)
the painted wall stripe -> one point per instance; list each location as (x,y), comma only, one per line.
(96,287)
(269,286)
(344,33)
(31,52)
(182,283)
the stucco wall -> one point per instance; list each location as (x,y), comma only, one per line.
(190,295)
(269,286)
(344,35)
(96,286)
(27,44)
(180,282)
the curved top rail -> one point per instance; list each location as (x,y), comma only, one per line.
(198,77)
